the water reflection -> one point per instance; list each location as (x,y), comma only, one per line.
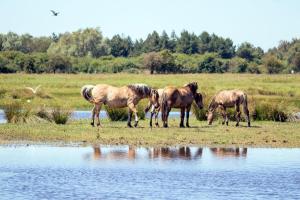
(149,153)
(229,152)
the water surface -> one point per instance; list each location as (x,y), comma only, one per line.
(123,172)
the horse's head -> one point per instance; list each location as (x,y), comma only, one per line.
(154,98)
(210,116)
(199,100)
(193,87)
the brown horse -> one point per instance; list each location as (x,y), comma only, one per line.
(180,98)
(227,99)
(114,97)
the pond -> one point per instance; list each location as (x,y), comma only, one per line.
(125,172)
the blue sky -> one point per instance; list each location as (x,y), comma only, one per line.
(261,22)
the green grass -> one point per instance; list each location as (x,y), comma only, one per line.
(261,134)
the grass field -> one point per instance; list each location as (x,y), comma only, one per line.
(65,89)
(62,89)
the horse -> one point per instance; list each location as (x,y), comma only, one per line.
(228,99)
(182,98)
(154,110)
(114,97)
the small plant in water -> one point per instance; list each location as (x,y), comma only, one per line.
(16,112)
(60,115)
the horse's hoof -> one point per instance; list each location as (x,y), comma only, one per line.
(99,125)
(156,124)
(129,126)
(237,125)
(188,126)
(135,124)
(165,125)
(249,124)
(223,123)
(92,124)
(181,126)
(226,123)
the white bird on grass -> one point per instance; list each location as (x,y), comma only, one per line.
(34,91)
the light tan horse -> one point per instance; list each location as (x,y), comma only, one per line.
(182,98)
(154,110)
(227,99)
(114,97)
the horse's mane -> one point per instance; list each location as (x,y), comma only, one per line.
(193,86)
(140,88)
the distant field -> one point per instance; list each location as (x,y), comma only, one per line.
(64,89)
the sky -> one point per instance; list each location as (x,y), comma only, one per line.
(262,22)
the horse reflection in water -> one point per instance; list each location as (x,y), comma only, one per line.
(117,154)
(229,152)
(131,153)
(174,153)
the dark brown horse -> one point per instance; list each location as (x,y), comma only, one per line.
(114,97)
(182,98)
(227,99)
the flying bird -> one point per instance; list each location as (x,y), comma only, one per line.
(34,91)
(54,13)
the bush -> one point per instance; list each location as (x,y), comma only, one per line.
(121,114)
(200,114)
(17,112)
(117,114)
(270,111)
(60,115)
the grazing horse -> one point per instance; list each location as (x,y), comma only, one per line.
(180,98)
(228,99)
(114,97)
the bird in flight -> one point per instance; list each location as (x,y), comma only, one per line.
(34,91)
(54,13)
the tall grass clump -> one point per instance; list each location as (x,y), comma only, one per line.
(60,115)
(270,111)
(117,114)
(121,114)
(17,112)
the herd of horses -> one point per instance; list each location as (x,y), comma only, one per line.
(163,100)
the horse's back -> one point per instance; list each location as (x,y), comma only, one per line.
(230,97)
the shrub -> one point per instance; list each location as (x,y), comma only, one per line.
(200,114)
(117,114)
(121,114)
(2,92)
(43,113)
(17,112)
(270,111)
(60,115)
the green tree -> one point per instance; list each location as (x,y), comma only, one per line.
(249,52)
(152,43)
(272,64)
(120,46)
(58,63)
(187,43)
(152,61)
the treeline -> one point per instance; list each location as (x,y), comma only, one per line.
(89,52)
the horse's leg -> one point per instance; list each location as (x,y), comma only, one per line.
(151,115)
(224,115)
(134,110)
(167,116)
(129,118)
(238,114)
(246,112)
(188,109)
(93,116)
(97,113)
(182,117)
(156,117)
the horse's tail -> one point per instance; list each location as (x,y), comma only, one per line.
(245,101)
(164,105)
(86,92)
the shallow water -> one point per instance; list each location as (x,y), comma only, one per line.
(82,114)
(122,172)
